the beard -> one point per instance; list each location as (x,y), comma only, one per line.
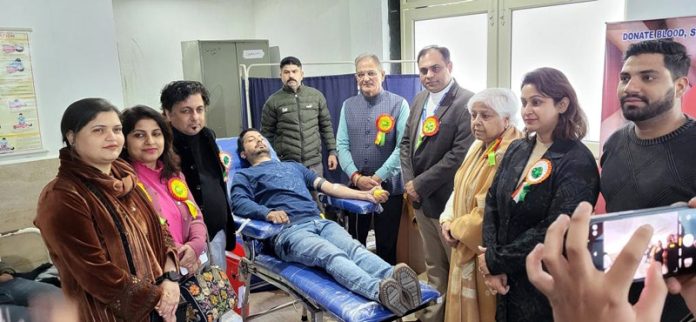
(651,109)
(256,153)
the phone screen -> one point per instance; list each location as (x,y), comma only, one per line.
(672,243)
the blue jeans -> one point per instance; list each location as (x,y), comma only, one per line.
(323,243)
(16,293)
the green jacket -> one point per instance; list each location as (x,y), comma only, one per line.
(296,124)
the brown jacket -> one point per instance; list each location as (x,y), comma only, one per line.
(86,247)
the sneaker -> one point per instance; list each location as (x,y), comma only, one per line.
(391,296)
(408,280)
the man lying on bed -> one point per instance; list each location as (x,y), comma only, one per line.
(279,192)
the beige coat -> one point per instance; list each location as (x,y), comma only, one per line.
(467,297)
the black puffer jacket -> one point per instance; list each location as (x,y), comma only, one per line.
(296,123)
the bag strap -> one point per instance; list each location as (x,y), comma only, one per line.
(208,252)
(117,221)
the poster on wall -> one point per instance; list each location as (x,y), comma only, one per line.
(19,117)
(619,36)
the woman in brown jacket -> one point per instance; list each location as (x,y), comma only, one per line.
(102,233)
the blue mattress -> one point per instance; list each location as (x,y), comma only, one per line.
(360,207)
(333,297)
(317,285)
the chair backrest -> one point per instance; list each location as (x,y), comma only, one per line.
(231,160)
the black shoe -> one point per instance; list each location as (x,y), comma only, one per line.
(408,279)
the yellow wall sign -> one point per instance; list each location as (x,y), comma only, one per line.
(19,117)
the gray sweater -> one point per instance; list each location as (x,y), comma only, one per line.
(650,173)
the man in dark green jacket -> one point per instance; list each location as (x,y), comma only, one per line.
(295,120)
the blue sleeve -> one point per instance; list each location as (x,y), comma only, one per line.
(307,175)
(392,165)
(345,158)
(242,199)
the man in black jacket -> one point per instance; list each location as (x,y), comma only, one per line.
(184,104)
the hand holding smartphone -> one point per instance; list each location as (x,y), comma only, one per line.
(562,269)
(672,243)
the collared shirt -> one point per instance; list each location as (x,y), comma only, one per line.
(432,103)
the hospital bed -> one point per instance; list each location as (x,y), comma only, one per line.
(314,289)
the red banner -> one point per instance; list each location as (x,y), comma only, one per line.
(619,36)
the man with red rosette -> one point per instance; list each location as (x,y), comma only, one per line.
(369,131)
(435,142)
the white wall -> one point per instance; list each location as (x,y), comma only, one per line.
(150,32)
(579,35)
(322,31)
(654,9)
(75,54)
(73,49)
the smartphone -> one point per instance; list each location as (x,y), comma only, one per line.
(672,243)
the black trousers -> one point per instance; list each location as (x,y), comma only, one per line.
(386,226)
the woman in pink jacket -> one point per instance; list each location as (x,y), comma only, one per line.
(148,148)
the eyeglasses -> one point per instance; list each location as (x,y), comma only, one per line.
(370,74)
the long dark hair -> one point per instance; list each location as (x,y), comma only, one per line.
(572,124)
(170,160)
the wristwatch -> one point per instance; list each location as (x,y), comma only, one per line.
(171,275)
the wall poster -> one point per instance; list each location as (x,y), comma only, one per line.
(19,117)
